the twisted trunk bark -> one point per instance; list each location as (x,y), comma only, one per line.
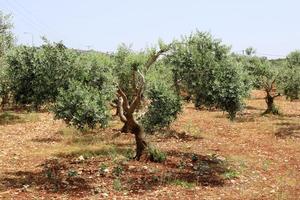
(270,103)
(138,132)
(271,108)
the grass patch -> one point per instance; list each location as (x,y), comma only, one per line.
(230,174)
(14,118)
(183,183)
(117,184)
(192,129)
(156,155)
(101,150)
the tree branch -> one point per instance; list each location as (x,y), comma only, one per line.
(138,97)
(124,97)
(155,56)
(121,111)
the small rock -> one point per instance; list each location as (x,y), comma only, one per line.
(130,167)
(106,170)
(104,194)
(81,158)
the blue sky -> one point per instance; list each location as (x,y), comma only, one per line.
(270,26)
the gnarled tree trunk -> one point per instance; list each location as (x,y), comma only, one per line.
(271,108)
(270,103)
(130,124)
(126,110)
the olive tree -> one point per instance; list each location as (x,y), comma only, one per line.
(133,78)
(204,66)
(291,77)
(84,102)
(37,73)
(6,43)
(265,76)
(139,69)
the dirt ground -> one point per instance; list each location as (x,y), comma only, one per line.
(208,157)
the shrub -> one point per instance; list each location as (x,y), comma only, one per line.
(291,77)
(155,155)
(37,73)
(204,67)
(231,86)
(81,106)
(164,107)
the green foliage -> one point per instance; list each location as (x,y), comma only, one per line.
(8,118)
(250,51)
(81,106)
(72,173)
(6,35)
(117,184)
(22,71)
(230,174)
(293,59)
(231,86)
(84,102)
(183,183)
(204,67)
(291,77)
(6,43)
(4,82)
(95,70)
(156,155)
(164,107)
(103,169)
(118,170)
(291,84)
(262,72)
(127,62)
(37,73)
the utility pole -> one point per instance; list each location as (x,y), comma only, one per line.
(88,47)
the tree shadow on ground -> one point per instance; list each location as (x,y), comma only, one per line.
(182,169)
(60,175)
(288,130)
(253,108)
(182,135)
(109,150)
(46,140)
(9,118)
(43,180)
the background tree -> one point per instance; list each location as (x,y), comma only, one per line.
(84,102)
(250,51)
(37,73)
(130,75)
(6,43)
(138,85)
(204,66)
(291,77)
(265,76)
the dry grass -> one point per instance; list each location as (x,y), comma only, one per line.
(209,157)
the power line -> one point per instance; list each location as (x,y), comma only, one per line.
(24,18)
(48,29)
(36,20)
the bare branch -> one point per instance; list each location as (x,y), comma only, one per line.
(124,97)
(113,105)
(138,97)
(121,111)
(155,56)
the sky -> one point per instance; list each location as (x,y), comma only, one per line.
(270,26)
